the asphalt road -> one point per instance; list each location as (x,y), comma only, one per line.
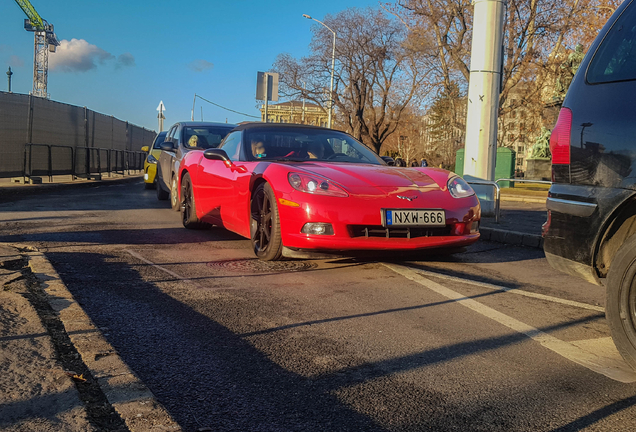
(492,339)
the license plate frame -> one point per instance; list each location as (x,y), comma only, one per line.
(415,218)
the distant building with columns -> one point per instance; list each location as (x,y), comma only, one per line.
(293,112)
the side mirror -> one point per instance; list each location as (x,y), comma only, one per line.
(145,149)
(166,146)
(217,154)
(389,160)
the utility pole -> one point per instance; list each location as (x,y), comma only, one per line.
(483,89)
(9,73)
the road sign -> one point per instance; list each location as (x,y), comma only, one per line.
(161,107)
(267,84)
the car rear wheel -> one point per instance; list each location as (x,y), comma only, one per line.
(265,224)
(189,214)
(620,304)
(174,196)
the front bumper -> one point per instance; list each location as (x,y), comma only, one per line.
(357,223)
(150,172)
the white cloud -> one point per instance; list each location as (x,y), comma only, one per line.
(77,55)
(200,65)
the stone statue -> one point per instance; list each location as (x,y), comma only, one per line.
(567,71)
(541,147)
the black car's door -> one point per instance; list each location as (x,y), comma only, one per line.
(166,160)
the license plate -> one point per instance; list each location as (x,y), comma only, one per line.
(415,217)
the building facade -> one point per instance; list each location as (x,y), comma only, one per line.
(297,112)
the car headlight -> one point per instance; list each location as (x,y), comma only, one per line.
(151,159)
(315,185)
(459,188)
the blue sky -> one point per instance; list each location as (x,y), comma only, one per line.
(121,58)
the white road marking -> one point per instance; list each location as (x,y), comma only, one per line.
(584,354)
(513,291)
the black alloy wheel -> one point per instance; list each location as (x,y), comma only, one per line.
(265,224)
(620,302)
(189,210)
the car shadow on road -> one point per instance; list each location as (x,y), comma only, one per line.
(124,236)
(207,375)
(594,417)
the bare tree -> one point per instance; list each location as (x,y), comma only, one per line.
(539,34)
(376,74)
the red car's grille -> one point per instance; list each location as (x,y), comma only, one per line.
(402,232)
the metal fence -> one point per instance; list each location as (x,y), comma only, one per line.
(40,137)
(497,190)
(88,162)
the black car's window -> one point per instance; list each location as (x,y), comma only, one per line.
(615,59)
(291,143)
(204,137)
(175,135)
(159,140)
(170,133)
(231,145)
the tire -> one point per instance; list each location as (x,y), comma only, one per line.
(189,214)
(174,196)
(149,185)
(620,301)
(265,224)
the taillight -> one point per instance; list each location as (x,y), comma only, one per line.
(560,138)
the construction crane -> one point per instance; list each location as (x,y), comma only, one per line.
(45,41)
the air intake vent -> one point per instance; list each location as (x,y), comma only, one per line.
(408,233)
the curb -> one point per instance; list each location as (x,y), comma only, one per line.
(25,190)
(130,397)
(514,238)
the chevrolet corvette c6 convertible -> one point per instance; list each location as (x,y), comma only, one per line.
(293,188)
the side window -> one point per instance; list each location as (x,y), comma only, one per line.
(169,134)
(232,146)
(176,135)
(615,58)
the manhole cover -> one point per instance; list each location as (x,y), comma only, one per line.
(254,265)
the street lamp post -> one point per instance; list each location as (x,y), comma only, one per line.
(333,63)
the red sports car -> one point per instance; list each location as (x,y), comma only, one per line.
(302,188)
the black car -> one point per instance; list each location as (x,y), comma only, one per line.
(591,226)
(181,138)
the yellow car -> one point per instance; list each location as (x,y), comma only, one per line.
(150,164)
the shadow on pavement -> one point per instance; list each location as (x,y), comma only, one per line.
(125,236)
(209,376)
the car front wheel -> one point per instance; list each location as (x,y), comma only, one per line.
(265,224)
(620,304)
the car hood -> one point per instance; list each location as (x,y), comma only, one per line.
(366,177)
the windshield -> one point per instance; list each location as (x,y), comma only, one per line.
(306,144)
(204,137)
